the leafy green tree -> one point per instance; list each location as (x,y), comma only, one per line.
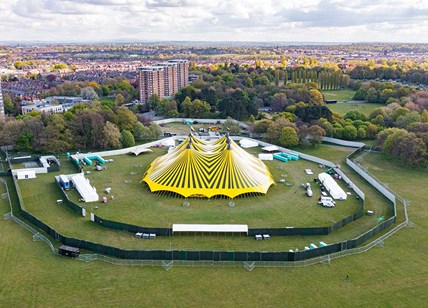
(276,78)
(125,118)
(112,136)
(288,137)
(120,100)
(127,139)
(350,132)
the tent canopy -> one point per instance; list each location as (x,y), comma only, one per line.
(246,143)
(88,193)
(209,228)
(198,168)
(332,187)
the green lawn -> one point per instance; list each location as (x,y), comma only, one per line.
(339,95)
(343,108)
(393,276)
(282,206)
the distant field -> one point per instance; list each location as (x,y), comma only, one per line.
(343,108)
(339,95)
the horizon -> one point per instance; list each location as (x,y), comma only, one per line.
(321,21)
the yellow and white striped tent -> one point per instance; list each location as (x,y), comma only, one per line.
(198,168)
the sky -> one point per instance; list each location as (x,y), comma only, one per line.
(214,20)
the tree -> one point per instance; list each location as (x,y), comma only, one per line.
(125,118)
(316,97)
(350,132)
(137,130)
(362,132)
(186,106)
(56,137)
(154,101)
(199,109)
(10,132)
(155,131)
(288,137)
(112,136)
(89,129)
(120,100)
(315,134)
(8,104)
(88,93)
(127,139)
(372,96)
(234,128)
(278,102)
(355,115)
(276,78)
(275,129)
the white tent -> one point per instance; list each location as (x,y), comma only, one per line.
(271,148)
(247,143)
(168,142)
(209,228)
(332,187)
(263,156)
(26,174)
(88,193)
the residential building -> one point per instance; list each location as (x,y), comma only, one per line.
(170,80)
(151,81)
(163,79)
(42,107)
(182,72)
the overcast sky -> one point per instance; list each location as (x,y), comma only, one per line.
(214,20)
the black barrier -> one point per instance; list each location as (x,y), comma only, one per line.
(53,168)
(131,228)
(20,160)
(289,231)
(73,206)
(76,164)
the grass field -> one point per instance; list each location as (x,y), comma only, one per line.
(343,108)
(339,95)
(142,208)
(393,276)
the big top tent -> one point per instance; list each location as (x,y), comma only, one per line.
(198,168)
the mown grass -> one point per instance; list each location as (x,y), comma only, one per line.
(282,206)
(339,95)
(343,108)
(135,204)
(393,276)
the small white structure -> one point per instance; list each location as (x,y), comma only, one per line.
(332,187)
(26,174)
(327,201)
(138,151)
(271,149)
(88,193)
(246,143)
(209,228)
(263,156)
(168,143)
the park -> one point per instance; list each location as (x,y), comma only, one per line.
(296,222)
(209,210)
